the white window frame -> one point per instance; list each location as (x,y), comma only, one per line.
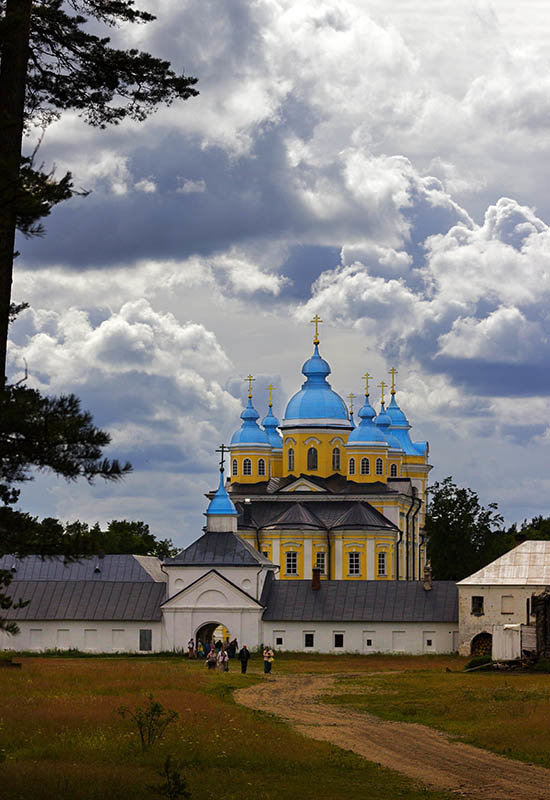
(379,466)
(365,466)
(393,471)
(336,459)
(355,567)
(334,635)
(290,459)
(320,555)
(382,563)
(351,466)
(234,467)
(247,466)
(261,466)
(291,555)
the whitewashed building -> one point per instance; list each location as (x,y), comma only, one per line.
(124,603)
(500,594)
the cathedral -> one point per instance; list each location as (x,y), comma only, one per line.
(317,490)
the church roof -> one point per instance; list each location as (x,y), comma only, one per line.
(118,568)
(219,549)
(93,600)
(314,514)
(334,484)
(360,601)
(527,564)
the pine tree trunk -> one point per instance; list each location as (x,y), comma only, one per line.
(13,76)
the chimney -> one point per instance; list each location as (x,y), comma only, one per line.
(520,538)
(427,578)
(247,511)
(315,579)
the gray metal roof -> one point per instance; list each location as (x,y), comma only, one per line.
(344,514)
(110,568)
(360,601)
(528,564)
(219,549)
(86,600)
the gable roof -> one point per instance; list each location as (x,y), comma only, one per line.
(87,600)
(528,563)
(314,514)
(360,601)
(219,549)
(219,575)
(118,567)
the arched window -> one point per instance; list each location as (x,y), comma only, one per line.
(247,467)
(351,466)
(336,459)
(261,466)
(379,466)
(235,467)
(290,459)
(365,466)
(312,458)
(393,471)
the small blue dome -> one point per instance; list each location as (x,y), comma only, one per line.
(366,432)
(396,415)
(383,421)
(351,420)
(399,429)
(221,504)
(316,400)
(250,432)
(271,423)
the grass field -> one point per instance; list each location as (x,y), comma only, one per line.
(504,712)
(63,738)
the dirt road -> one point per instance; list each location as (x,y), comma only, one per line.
(414,750)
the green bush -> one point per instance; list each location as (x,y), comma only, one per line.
(542,665)
(479,661)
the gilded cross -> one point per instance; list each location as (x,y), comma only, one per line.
(316,320)
(250,379)
(350,398)
(221,449)
(270,389)
(393,373)
(382,385)
(366,378)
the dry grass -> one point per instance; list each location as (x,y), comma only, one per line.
(63,738)
(504,712)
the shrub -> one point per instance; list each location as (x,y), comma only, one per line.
(479,661)
(542,665)
(151,721)
(174,785)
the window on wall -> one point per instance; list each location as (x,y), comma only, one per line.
(290,459)
(354,564)
(477,606)
(261,467)
(507,604)
(291,559)
(320,562)
(336,459)
(146,639)
(235,467)
(379,466)
(312,458)
(309,639)
(352,466)
(365,466)
(393,471)
(381,563)
(338,640)
(247,467)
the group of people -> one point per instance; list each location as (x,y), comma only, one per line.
(217,654)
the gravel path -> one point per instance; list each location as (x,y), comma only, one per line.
(414,750)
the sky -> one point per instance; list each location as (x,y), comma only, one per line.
(383,165)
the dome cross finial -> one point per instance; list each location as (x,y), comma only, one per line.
(366,377)
(382,385)
(270,389)
(351,398)
(316,320)
(393,373)
(249,378)
(222,449)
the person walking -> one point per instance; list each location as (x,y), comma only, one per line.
(268,659)
(191,648)
(211,658)
(223,660)
(244,658)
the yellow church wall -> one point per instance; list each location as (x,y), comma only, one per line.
(324,441)
(372,455)
(254,456)
(276,465)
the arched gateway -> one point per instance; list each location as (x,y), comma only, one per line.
(212,632)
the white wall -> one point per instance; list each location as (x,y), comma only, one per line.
(93,637)
(387,637)
(183,623)
(250,579)
(496,610)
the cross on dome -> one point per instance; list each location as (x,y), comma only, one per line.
(393,373)
(222,449)
(250,379)
(316,320)
(351,397)
(270,389)
(382,385)
(367,377)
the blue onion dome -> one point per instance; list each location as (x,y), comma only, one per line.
(399,429)
(383,421)
(366,432)
(396,415)
(351,420)
(221,504)
(250,432)
(316,402)
(271,423)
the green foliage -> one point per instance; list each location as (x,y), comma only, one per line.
(462,535)
(7,602)
(121,536)
(542,665)
(174,785)
(478,661)
(151,721)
